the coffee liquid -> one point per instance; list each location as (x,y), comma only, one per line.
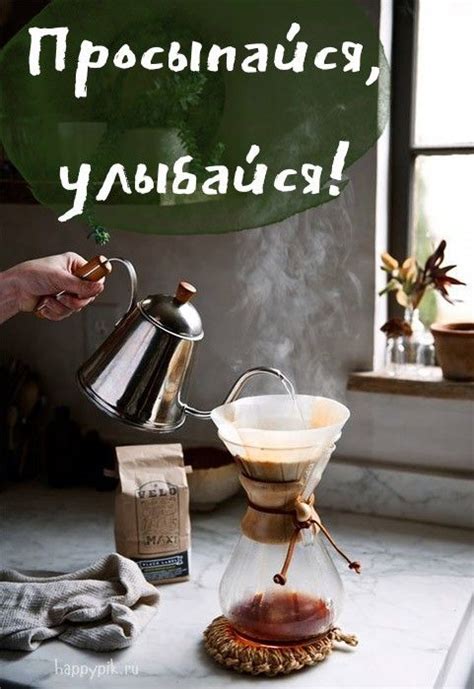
(282,617)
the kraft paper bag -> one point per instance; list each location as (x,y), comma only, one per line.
(152,525)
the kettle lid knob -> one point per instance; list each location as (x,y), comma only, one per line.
(174,314)
(184,292)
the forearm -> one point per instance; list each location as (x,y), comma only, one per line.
(9,295)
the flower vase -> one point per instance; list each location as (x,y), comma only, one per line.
(419,346)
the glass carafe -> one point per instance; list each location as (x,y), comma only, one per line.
(281,586)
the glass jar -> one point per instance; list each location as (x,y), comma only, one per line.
(395,356)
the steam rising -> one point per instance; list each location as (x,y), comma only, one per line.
(300,299)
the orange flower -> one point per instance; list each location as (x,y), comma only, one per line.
(402,297)
(389,262)
(409,269)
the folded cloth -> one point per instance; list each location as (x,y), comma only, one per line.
(102,607)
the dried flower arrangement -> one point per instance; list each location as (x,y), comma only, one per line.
(410,281)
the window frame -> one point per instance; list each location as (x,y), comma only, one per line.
(403,151)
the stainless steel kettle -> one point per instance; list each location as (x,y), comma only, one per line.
(140,372)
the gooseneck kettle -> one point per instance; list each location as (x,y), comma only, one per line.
(140,373)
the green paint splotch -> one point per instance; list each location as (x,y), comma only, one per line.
(136,116)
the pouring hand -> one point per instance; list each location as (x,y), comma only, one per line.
(22,286)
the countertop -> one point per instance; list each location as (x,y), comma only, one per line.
(409,608)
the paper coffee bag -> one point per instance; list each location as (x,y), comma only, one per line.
(152,523)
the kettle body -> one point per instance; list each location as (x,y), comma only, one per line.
(140,372)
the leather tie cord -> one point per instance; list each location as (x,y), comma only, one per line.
(304,517)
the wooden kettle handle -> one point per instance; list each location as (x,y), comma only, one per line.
(95,269)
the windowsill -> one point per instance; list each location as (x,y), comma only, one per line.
(433,386)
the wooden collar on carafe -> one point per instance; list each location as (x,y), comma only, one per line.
(304,517)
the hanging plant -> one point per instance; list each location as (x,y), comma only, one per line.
(187,103)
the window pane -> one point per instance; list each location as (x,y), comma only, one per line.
(444,209)
(444,102)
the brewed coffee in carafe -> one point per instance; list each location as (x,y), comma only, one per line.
(281,586)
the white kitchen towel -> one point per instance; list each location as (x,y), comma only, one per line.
(102,607)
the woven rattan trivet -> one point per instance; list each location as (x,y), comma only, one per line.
(231,650)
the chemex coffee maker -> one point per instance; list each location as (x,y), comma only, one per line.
(281,593)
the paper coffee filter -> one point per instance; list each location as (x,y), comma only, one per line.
(253,426)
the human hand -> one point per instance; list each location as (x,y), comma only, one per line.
(45,277)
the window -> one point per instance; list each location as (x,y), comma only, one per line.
(432,142)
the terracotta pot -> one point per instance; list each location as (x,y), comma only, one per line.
(454,345)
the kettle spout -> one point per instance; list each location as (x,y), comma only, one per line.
(238,386)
